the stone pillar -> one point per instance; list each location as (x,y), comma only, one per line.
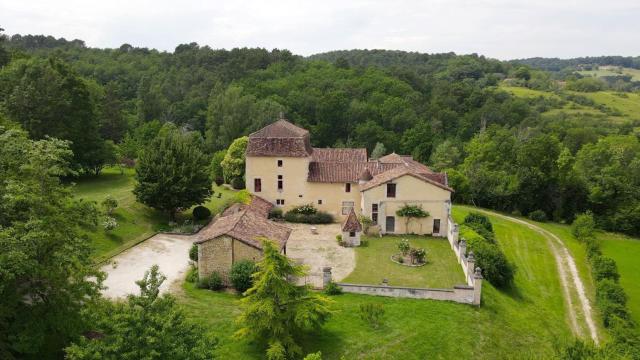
(477,286)
(455,233)
(471,261)
(462,247)
(326,276)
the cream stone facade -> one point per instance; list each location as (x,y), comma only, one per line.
(283,168)
(219,254)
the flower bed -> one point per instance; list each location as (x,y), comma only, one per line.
(406,261)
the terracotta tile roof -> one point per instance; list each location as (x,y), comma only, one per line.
(365,175)
(258,205)
(332,172)
(339,155)
(352,223)
(437,179)
(246,226)
(280,138)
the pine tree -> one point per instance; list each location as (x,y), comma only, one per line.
(173,172)
(276,310)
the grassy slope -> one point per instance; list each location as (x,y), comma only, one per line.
(525,321)
(627,104)
(626,252)
(373,264)
(136,222)
(612,71)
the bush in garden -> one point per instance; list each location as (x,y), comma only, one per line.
(193,253)
(307,209)
(494,264)
(404,247)
(583,226)
(372,314)
(214,281)
(313,356)
(275,213)
(319,217)
(240,275)
(192,274)
(333,289)
(219,180)
(419,255)
(109,204)
(201,212)
(478,218)
(538,215)
(366,222)
(482,231)
(237,183)
(604,268)
(109,223)
(339,239)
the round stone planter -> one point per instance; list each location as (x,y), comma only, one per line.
(395,258)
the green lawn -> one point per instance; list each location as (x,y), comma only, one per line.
(373,263)
(136,222)
(612,71)
(524,321)
(626,252)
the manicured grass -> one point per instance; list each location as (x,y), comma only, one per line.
(136,222)
(373,263)
(525,321)
(626,252)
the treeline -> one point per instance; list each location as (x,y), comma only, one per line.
(501,151)
(556,64)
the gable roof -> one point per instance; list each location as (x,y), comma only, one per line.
(339,155)
(246,226)
(257,204)
(437,179)
(333,172)
(280,138)
(352,223)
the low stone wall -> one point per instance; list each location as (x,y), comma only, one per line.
(461,294)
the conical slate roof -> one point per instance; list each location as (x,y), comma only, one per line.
(352,223)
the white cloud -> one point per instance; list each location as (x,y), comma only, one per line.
(495,28)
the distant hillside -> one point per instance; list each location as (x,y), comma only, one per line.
(556,64)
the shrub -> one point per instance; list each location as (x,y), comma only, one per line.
(313,356)
(219,180)
(339,239)
(193,253)
(237,183)
(538,215)
(494,264)
(192,274)
(608,290)
(404,247)
(612,312)
(109,223)
(214,281)
(372,314)
(604,268)
(583,226)
(240,275)
(366,222)
(478,218)
(319,217)
(593,250)
(275,213)
(419,255)
(201,212)
(109,204)
(482,231)
(307,209)
(333,289)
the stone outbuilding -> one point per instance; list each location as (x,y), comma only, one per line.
(351,230)
(237,235)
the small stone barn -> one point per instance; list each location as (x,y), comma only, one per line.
(351,230)
(236,235)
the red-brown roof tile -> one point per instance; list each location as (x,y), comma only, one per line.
(280,138)
(352,223)
(339,155)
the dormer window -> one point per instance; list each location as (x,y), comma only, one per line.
(391,190)
(347,187)
(279,163)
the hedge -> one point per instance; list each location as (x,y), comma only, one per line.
(489,257)
(319,217)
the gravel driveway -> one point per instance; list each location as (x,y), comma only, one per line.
(169,252)
(320,250)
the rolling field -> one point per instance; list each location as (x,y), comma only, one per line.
(612,71)
(525,321)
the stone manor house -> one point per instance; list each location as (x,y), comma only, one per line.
(283,168)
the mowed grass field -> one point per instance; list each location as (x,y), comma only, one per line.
(525,321)
(373,263)
(612,71)
(136,222)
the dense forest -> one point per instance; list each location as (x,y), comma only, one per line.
(502,151)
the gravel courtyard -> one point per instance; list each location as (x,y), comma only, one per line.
(320,250)
(169,252)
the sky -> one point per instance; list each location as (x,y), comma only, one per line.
(499,29)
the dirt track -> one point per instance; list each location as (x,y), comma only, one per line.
(569,278)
